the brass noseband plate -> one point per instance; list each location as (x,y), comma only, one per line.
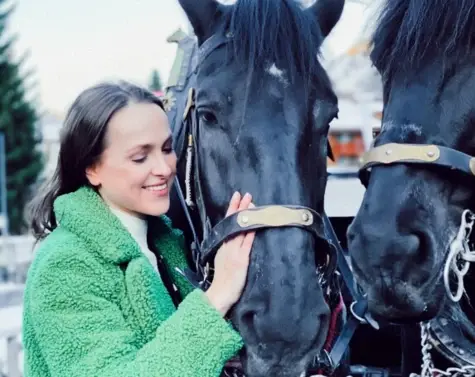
(274,216)
(392,152)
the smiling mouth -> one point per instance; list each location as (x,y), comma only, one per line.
(161,187)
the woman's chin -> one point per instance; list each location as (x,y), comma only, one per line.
(156,207)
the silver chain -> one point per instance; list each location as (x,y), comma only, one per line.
(428,369)
(460,256)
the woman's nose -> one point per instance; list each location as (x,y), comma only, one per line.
(162,166)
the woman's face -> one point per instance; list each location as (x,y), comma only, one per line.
(138,165)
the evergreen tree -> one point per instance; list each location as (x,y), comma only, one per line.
(155,82)
(18,119)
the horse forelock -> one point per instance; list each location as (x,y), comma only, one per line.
(279,33)
(411,32)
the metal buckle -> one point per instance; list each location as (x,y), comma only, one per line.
(364,317)
(323,364)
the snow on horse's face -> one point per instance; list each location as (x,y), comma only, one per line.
(264,105)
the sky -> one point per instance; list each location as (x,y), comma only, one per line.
(75,44)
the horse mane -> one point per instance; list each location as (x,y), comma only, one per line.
(280,32)
(410,33)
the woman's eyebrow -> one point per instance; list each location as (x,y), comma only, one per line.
(148,146)
(139,147)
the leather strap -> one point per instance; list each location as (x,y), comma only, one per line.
(211,44)
(272,216)
(341,345)
(426,154)
(359,311)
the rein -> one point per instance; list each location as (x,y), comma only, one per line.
(261,218)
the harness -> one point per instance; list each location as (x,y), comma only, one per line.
(440,333)
(186,132)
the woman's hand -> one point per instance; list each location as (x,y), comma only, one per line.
(231,262)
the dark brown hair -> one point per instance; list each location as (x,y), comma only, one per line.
(81,145)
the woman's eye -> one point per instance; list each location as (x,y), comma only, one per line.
(207,116)
(139,160)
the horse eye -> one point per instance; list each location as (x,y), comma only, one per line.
(207,116)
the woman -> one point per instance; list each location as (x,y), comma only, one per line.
(96,303)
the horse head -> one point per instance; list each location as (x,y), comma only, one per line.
(405,240)
(261,109)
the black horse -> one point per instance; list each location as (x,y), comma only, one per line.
(406,240)
(256,121)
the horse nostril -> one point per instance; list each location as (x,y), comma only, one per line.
(420,247)
(248,315)
(253,324)
(248,318)
(258,322)
(413,243)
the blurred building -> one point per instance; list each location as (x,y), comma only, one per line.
(358,87)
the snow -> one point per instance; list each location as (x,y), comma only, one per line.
(10,320)
(10,327)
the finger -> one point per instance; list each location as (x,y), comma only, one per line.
(241,237)
(241,253)
(234,203)
(244,204)
(247,243)
(245,201)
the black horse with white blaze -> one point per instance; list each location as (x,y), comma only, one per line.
(256,121)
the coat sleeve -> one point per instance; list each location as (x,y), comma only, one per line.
(81,332)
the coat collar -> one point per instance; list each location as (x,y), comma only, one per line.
(85,214)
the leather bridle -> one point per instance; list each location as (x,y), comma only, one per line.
(258,218)
(422,154)
(444,333)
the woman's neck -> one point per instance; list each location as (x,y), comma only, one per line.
(137,227)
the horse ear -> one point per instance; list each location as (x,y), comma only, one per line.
(201,15)
(328,13)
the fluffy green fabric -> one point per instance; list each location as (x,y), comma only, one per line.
(95,307)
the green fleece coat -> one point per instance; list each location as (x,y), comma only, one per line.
(95,307)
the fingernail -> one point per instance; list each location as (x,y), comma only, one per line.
(235,195)
(248,195)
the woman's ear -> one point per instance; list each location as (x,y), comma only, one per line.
(93,175)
